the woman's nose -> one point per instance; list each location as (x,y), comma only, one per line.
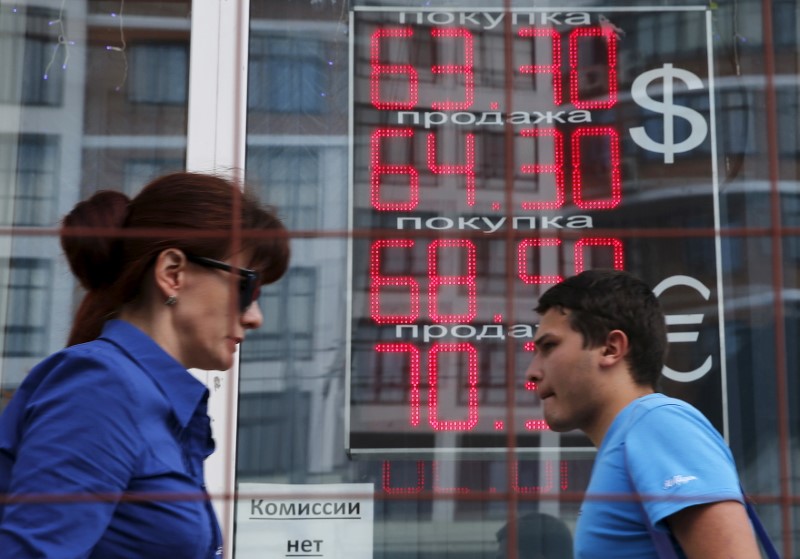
(252,317)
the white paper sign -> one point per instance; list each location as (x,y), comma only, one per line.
(280,521)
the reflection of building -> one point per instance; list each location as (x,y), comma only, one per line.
(63,141)
(117,115)
(40,153)
(292,368)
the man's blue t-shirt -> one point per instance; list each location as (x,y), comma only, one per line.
(660,455)
(101,456)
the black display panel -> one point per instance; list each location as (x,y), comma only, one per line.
(492,154)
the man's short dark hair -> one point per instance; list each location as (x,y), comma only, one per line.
(600,301)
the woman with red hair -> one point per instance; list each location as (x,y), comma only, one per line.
(102,446)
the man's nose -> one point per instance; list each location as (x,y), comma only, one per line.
(533,373)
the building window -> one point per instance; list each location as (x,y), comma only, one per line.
(27,282)
(139,172)
(785,23)
(286,75)
(378,377)
(737,121)
(32,56)
(787,124)
(28,179)
(291,181)
(273,427)
(288,329)
(159,74)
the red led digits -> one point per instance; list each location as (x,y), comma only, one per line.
(378,169)
(533,424)
(379,70)
(553,69)
(545,487)
(522,261)
(614,172)
(413,357)
(580,249)
(614,244)
(472,390)
(428,91)
(557,167)
(578,138)
(610,64)
(378,281)
(387,480)
(437,484)
(466,70)
(546,468)
(467,168)
(536,425)
(436,280)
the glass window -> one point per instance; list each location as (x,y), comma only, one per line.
(286,75)
(29,170)
(788,145)
(158,74)
(785,23)
(427,84)
(290,179)
(34,54)
(737,121)
(288,328)
(138,172)
(272,434)
(69,127)
(29,296)
(368,123)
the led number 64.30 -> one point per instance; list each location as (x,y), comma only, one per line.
(582,137)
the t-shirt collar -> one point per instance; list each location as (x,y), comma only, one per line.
(623,416)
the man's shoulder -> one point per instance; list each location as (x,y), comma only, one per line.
(657,416)
(663,422)
(662,404)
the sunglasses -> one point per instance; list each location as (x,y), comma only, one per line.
(248,279)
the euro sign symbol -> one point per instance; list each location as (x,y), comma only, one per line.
(699,127)
(684,319)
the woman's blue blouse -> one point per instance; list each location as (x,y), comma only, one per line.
(101,455)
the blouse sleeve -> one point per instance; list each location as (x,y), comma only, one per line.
(76,449)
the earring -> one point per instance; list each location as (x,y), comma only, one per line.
(171,300)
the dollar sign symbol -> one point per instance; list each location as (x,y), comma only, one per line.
(669,148)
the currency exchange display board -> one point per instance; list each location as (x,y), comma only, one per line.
(492,154)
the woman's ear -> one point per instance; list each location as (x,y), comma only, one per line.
(616,348)
(168,272)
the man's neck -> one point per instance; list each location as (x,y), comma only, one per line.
(617,399)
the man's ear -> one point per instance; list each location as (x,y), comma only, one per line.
(616,348)
(168,272)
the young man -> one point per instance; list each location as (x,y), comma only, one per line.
(600,348)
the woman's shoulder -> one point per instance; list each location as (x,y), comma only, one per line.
(91,366)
